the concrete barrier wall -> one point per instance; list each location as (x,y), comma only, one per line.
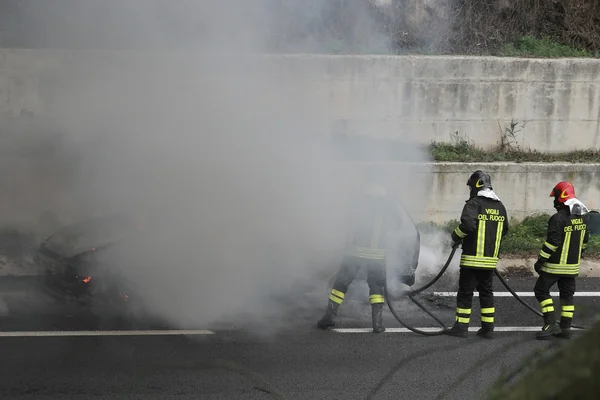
(437,194)
(555,102)
(409,98)
(439,191)
(524,188)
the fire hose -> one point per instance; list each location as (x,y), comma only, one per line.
(523,302)
(411,293)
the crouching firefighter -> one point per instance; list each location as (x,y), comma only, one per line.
(375,223)
(559,260)
(483,224)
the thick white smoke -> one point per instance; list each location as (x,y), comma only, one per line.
(222,158)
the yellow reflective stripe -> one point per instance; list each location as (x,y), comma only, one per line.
(478,262)
(376,230)
(582,233)
(556,265)
(480,238)
(545,302)
(562,272)
(498,238)
(482,262)
(487,319)
(490,310)
(335,299)
(463,310)
(543,254)
(463,320)
(547,309)
(564,255)
(376,299)
(477,265)
(459,233)
(550,246)
(568,308)
(488,260)
(337,293)
(562,269)
(566,314)
(471,260)
(365,252)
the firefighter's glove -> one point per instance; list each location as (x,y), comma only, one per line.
(538,265)
(456,241)
(407,279)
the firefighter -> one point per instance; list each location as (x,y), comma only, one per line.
(558,261)
(483,224)
(375,220)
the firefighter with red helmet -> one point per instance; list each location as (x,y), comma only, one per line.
(559,260)
(483,224)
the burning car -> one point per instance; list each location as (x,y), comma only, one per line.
(71,258)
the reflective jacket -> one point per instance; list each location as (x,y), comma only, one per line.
(566,239)
(483,224)
(379,227)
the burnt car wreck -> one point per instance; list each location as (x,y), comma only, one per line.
(73,269)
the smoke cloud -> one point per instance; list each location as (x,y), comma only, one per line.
(221,157)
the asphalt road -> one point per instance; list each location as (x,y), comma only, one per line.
(281,356)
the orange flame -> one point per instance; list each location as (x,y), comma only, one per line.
(86,280)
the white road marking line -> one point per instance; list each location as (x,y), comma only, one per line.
(521,294)
(429,329)
(105,333)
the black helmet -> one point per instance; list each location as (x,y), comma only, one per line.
(479,180)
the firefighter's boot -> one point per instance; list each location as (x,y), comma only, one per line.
(459,330)
(377,314)
(330,313)
(565,328)
(550,327)
(486,331)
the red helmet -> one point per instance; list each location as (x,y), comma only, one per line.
(562,192)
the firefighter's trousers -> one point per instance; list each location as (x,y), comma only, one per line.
(469,280)
(566,287)
(347,272)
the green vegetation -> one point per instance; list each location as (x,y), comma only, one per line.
(460,150)
(451,153)
(517,28)
(569,371)
(531,28)
(524,238)
(529,46)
